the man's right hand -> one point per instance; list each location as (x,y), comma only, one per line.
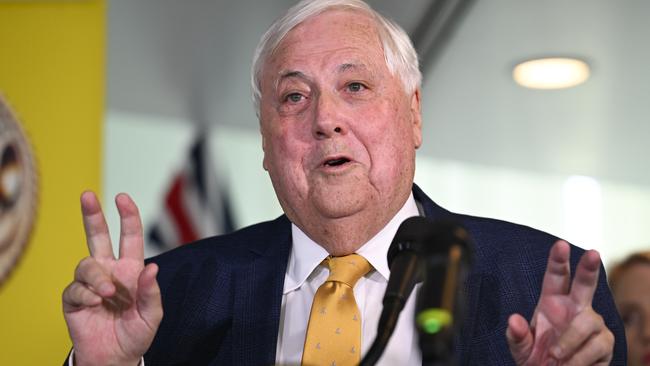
(113,306)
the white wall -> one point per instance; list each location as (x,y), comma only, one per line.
(143,151)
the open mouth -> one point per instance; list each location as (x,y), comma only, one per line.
(336,162)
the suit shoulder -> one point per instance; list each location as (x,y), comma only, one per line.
(498,241)
(504,233)
(244,244)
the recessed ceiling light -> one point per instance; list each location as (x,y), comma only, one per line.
(551,73)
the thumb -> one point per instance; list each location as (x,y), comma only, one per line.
(148,297)
(520,338)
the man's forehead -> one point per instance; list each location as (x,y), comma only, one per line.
(336,41)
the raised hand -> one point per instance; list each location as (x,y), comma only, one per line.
(113,307)
(565,329)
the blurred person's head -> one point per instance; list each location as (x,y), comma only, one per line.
(630,284)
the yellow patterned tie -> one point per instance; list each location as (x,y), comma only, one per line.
(334,331)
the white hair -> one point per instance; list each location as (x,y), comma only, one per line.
(400,55)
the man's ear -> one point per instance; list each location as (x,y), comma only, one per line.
(264,164)
(416,118)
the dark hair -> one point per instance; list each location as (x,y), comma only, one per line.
(616,272)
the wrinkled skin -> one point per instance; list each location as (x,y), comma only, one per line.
(113,306)
(327,94)
(564,329)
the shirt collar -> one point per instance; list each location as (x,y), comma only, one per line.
(306,254)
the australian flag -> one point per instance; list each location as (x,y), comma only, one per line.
(196,204)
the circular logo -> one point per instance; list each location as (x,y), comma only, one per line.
(18,190)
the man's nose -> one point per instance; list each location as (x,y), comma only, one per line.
(329,117)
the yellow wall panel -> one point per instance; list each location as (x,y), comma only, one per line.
(52,71)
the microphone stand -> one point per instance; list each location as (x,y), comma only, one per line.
(440,305)
(435,324)
(447,256)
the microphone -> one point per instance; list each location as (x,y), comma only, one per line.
(439,306)
(406,265)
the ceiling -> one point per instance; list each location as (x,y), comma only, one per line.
(191,60)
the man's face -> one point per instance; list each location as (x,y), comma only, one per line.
(339,132)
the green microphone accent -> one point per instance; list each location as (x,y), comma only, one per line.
(432,320)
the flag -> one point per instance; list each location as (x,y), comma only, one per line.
(195,204)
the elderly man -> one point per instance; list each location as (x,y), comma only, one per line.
(337,89)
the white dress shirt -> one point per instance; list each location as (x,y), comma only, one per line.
(305,274)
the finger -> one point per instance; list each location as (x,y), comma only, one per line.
(598,350)
(585,325)
(148,296)
(97,237)
(520,338)
(131,237)
(77,296)
(92,274)
(558,273)
(586,279)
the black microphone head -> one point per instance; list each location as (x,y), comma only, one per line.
(429,238)
(445,233)
(412,234)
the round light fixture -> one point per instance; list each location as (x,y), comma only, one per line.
(551,73)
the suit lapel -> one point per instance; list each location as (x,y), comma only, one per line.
(431,209)
(258,298)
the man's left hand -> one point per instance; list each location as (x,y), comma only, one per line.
(565,329)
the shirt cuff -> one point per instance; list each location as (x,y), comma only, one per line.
(70,363)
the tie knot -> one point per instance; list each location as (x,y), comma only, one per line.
(347,269)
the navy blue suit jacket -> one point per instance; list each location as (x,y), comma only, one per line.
(222,295)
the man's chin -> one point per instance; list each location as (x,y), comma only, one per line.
(341,200)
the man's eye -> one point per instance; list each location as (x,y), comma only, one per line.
(631,318)
(356,87)
(294,97)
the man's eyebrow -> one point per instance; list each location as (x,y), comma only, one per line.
(351,67)
(288,74)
